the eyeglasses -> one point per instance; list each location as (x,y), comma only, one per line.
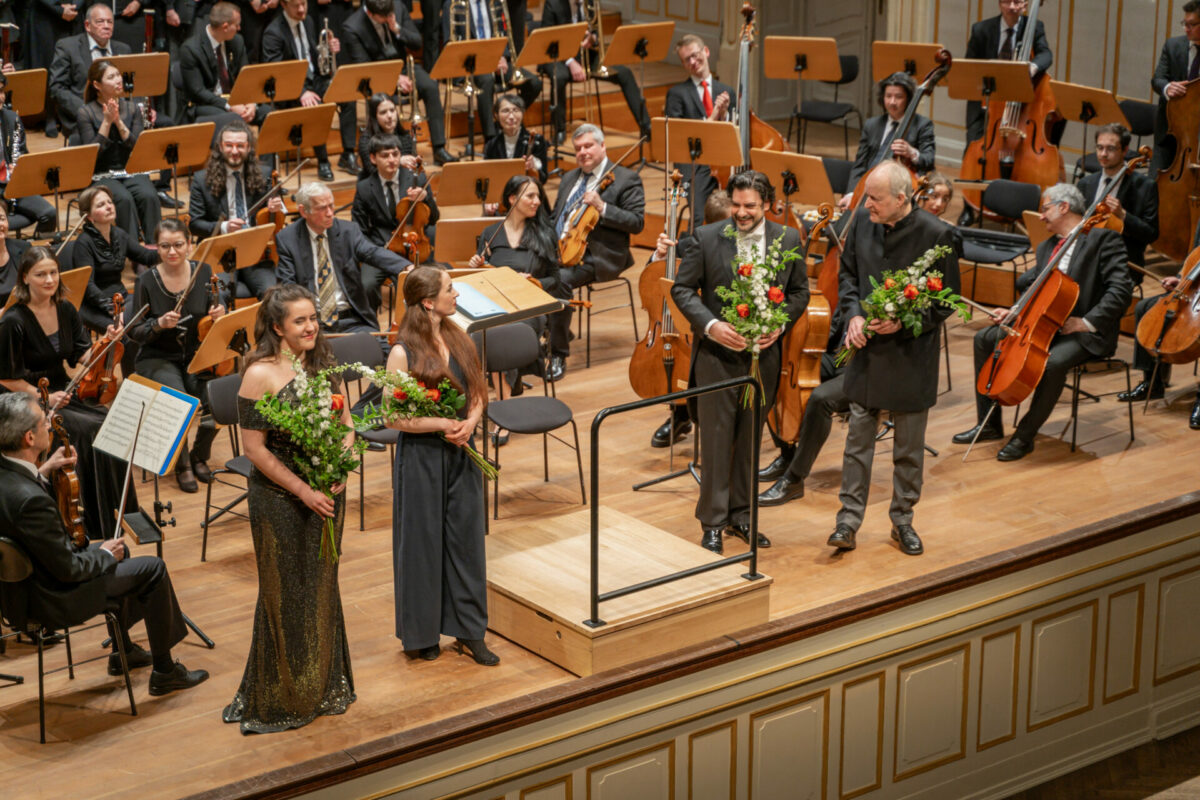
(1046,207)
(1189,24)
(172,245)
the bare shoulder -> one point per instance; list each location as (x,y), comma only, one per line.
(397,360)
(262,377)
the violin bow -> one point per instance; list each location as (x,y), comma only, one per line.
(70,234)
(271,192)
(487,246)
(96,358)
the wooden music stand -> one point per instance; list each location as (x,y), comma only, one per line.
(714,143)
(233,251)
(553,45)
(276,82)
(983,80)
(145,74)
(184,146)
(231,336)
(804,174)
(457,238)
(1090,106)
(295,128)
(354,81)
(27,91)
(53,172)
(74,283)
(479,181)
(801,58)
(637,44)
(466,59)
(915,59)
(1035,228)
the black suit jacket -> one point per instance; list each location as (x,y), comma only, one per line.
(1138,194)
(67,583)
(360,42)
(347,247)
(199,69)
(1098,266)
(1172,66)
(919,135)
(608,243)
(684,102)
(204,208)
(526,145)
(371,212)
(68,72)
(278,45)
(985,43)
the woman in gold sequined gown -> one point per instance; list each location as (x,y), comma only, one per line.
(299,662)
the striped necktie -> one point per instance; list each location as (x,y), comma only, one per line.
(326,284)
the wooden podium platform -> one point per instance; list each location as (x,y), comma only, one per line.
(538,592)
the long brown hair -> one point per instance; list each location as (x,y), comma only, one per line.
(416,332)
(273,311)
(31,258)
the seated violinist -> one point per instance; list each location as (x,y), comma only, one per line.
(375,201)
(39,334)
(81,582)
(1096,261)
(915,148)
(230,184)
(513,140)
(104,246)
(168,337)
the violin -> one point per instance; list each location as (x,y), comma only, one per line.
(206,323)
(414,219)
(100,382)
(1179,182)
(802,349)
(64,479)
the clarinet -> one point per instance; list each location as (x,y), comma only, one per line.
(18,144)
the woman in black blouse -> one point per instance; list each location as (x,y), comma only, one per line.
(37,335)
(104,247)
(168,338)
(383,116)
(513,140)
(112,122)
(10,257)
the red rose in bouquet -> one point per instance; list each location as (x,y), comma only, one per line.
(934,283)
(433,394)
(745,269)
(911,292)
(889,284)
(775,294)
(743,310)
(337,402)
(400,394)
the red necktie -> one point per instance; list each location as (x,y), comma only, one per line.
(708,106)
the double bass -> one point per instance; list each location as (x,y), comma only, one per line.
(1015,144)
(1179,183)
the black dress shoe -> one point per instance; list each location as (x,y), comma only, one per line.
(1194,419)
(711,540)
(376,447)
(910,543)
(324,171)
(842,538)
(743,532)
(178,678)
(167,201)
(775,470)
(136,657)
(477,650)
(51,130)
(348,162)
(1141,392)
(499,439)
(429,653)
(201,470)
(966,217)
(1015,450)
(662,436)
(442,156)
(782,491)
(991,433)
(557,369)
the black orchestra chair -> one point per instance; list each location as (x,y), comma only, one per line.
(838,171)
(827,111)
(364,349)
(1140,116)
(1008,199)
(222,401)
(514,347)
(584,295)
(22,615)
(1103,365)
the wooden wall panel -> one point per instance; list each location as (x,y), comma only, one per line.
(999,673)
(647,773)
(789,747)
(931,712)
(712,763)
(861,751)
(1062,661)
(557,789)
(1177,642)
(1123,643)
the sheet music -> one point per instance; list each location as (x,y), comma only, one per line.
(167,415)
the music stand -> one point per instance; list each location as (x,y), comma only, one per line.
(27,91)
(463,60)
(465,183)
(1090,106)
(637,44)
(713,143)
(144,74)
(231,336)
(184,146)
(791,171)
(277,82)
(295,128)
(553,45)
(235,251)
(803,58)
(983,79)
(352,81)
(915,59)
(457,238)
(53,172)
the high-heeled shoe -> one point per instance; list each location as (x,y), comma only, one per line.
(477,650)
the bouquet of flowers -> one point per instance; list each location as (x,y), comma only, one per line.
(315,426)
(753,303)
(906,294)
(405,397)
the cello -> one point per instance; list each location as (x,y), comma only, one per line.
(1015,143)
(1179,183)
(1170,329)
(64,479)
(803,346)
(662,360)
(99,383)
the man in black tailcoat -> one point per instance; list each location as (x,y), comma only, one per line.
(728,477)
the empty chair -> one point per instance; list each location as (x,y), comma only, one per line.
(222,400)
(829,111)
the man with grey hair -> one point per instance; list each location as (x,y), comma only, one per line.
(77,583)
(332,258)
(892,369)
(1096,261)
(622,209)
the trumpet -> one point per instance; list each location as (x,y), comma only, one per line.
(591,12)
(499,13)
(326,60)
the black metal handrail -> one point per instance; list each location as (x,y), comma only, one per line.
(597,596)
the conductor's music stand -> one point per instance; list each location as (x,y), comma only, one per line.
(53,172)
(27,91)
(914,59)
(637,44)
(1090,106)
(235,251)
(553,45)
(171,148)
(803,58)
(713,143)
(464,60)
(483,181)
(277,82)
(295,128)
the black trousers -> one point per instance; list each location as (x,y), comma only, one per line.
(827,399)
(622,76)
(141,589)
(35,208)
(435,117)
(1141,357)
(569,279)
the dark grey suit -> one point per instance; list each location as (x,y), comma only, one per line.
(1138,195)
(919,135)
(68,75)
(1172,66)
(726,429)
(985,43)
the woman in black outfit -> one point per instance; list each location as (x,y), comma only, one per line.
(104,247)
(37,335)
(114,123)
(10,257)
(383,116)
(513,140)
(168,338)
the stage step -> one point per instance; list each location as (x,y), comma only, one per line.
(538,578)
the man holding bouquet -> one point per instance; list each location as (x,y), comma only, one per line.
(895,363)
(725,255)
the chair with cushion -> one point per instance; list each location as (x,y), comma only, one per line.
(826,110)
(222,400)
(838,171)
(20,611)
(1140,116)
